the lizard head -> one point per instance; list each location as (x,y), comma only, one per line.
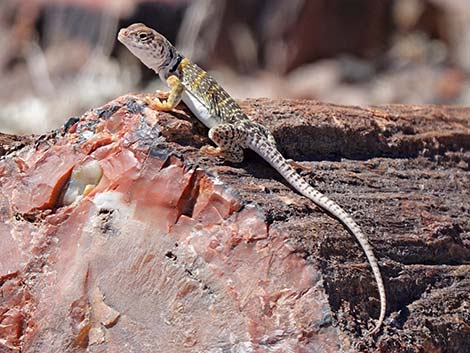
(153,49)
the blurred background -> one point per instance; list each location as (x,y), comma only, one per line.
(59,58)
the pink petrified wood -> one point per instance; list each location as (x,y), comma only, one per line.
(118,235)
(154,256)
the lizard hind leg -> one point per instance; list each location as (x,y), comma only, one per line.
(227,138)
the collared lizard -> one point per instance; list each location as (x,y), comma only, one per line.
(229,127)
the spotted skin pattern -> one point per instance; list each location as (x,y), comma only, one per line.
(229,127)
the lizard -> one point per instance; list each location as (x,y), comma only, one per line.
(230,128)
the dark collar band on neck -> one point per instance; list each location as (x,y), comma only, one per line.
(179,57)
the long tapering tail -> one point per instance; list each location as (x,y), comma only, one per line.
(278,162)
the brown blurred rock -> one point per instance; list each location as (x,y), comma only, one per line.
(167,250)
(288,34)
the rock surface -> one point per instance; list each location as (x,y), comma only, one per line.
(117,234)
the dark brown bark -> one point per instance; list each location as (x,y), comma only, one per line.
(256,266)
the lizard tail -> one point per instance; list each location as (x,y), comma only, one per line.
(278,162)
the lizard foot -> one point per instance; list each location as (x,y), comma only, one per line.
(157,104)
(297,165)
(234,156)
(162,94)
(212,151)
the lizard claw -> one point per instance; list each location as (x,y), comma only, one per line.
(156,104)
(297,165)
(211,151)
(162,94)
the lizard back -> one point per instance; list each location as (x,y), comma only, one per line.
(222,108)
(205,88)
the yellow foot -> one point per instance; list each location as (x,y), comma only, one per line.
(162,94)
(157,104)
(212,151)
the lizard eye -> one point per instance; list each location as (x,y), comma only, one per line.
(142,35)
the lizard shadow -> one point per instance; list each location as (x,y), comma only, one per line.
(260,169)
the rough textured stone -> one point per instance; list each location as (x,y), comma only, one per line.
(172,251)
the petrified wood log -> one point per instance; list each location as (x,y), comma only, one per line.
(118,235)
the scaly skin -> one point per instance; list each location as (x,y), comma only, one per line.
(229,127)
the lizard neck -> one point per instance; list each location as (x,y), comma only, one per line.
(171,64)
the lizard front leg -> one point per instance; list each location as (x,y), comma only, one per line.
(229,140)
(174,95)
